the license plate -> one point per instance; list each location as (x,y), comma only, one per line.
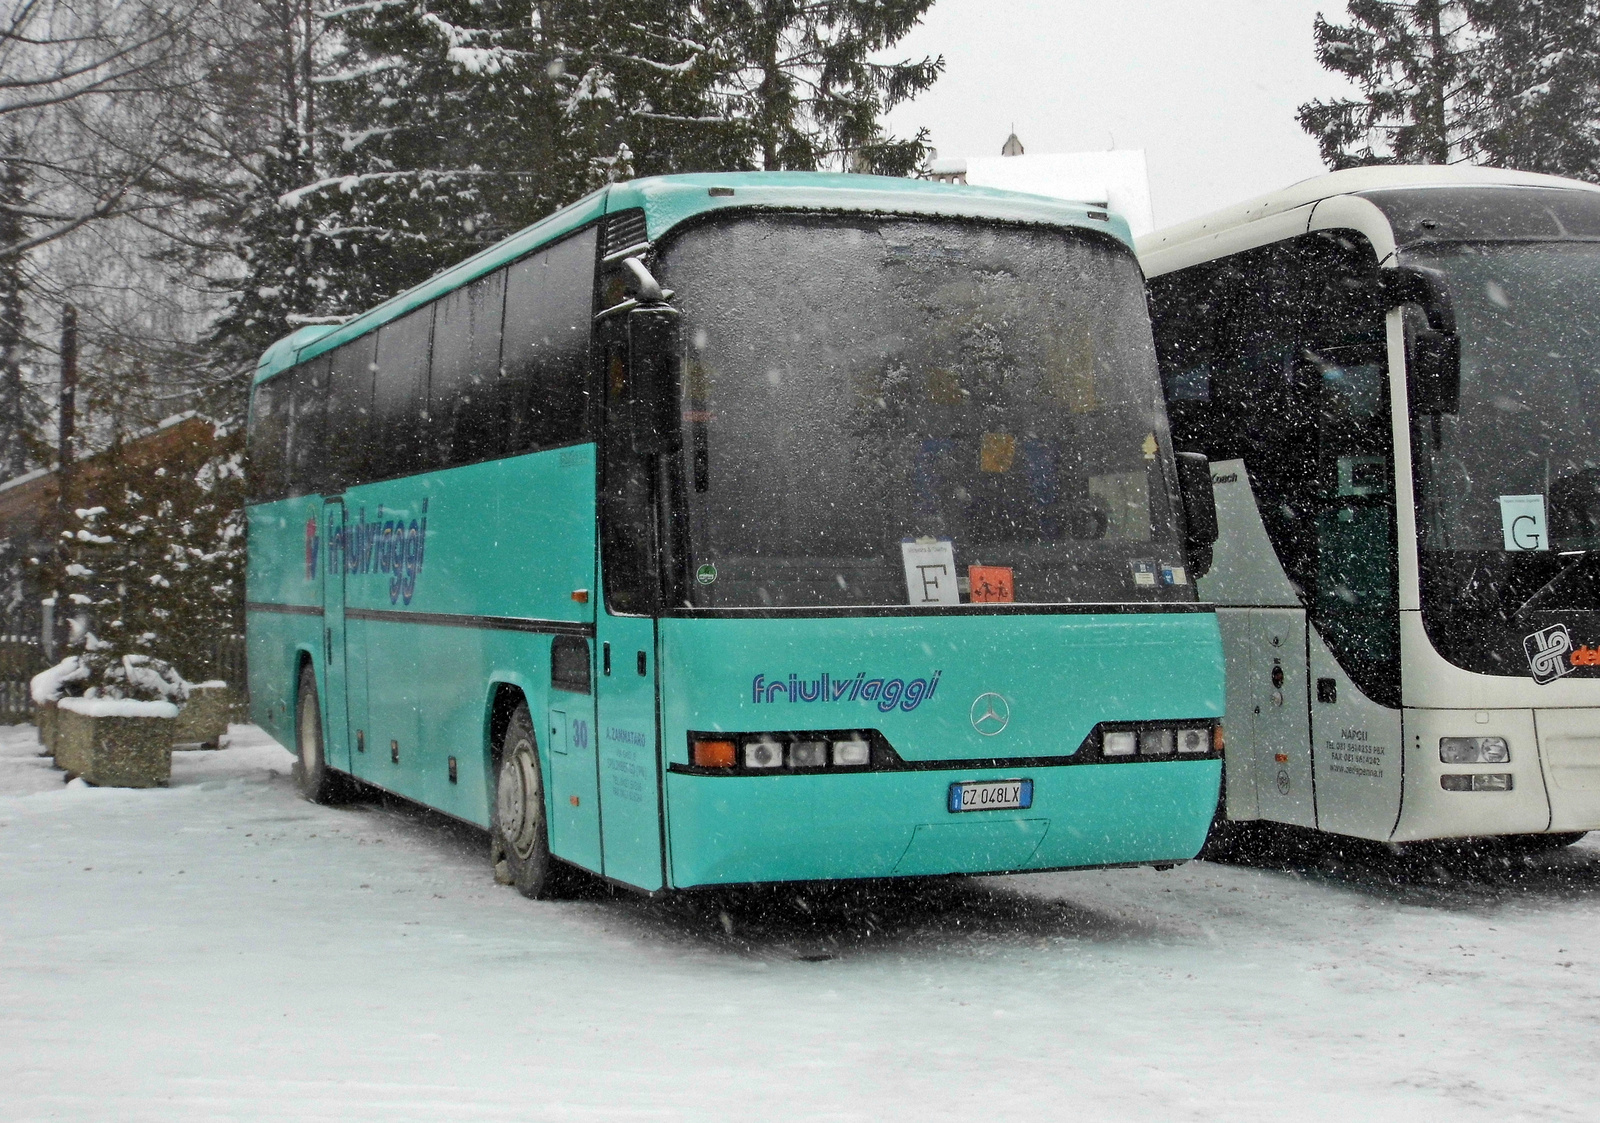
(991,795)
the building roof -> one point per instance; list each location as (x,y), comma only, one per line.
(670,200)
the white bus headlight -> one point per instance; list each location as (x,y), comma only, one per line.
(1194,740)
(851,754)
(1155,742)
(808,754)
(1119,742)
(763,754)
(1474,750)
(1476,781)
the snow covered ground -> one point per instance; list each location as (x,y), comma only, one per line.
(223,950)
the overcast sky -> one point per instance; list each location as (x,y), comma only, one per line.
(1208,88)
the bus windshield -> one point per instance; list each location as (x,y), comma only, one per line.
(1509,487)
(867,395)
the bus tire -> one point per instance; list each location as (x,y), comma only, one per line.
(316,781)
(520,837)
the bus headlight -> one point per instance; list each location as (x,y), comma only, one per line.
(851,754)
(1476,781)
(1474,750)
(1155,742)
(1194,740)
(808,754)
(763,754)
(1119,742)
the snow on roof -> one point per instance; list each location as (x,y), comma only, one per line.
(1117,179)
(1347,182)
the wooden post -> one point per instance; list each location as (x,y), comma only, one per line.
(69,398)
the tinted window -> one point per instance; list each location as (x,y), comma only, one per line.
(466,420)
(350,411)
(1278,357)
(1453,214)
(400,395)
(991,388)
(549,301)
(269,435)
(308,409)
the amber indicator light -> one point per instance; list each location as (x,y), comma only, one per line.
(714,754)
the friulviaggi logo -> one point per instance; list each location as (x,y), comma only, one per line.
(907,694)
(389,544)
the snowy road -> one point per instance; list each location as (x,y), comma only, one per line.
(223,950)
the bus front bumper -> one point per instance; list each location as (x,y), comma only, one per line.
(740,829)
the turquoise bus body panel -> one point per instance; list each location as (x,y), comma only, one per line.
(1059,674)
(504,542)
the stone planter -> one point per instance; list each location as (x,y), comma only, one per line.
(204,717)
(45,719)
(114,743)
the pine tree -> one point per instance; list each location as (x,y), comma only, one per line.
(1512,83)
(803,78)
(1540,67)
(1410,60)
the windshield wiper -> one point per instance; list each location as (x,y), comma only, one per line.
(1578,557)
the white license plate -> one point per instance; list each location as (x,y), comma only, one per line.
(991,795)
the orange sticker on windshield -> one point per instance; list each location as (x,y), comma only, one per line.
(997,452)
(991,584)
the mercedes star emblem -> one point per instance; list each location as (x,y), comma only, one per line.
(990,714)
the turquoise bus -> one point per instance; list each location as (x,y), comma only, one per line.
(748,528)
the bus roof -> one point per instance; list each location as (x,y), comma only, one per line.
(670,200)
(1349,182)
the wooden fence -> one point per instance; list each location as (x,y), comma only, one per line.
(20,660)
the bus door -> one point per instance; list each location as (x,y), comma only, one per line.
(626,697)
(1280,745)
(336,734)
(569,729)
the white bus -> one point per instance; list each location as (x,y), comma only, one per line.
(1395,373)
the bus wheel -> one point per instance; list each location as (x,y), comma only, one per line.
(520,837)
(317,782)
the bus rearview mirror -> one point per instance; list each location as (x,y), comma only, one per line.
(1433,353)
(1199,510)
(653,354)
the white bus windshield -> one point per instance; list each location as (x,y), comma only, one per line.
(1529,423)
(863,392)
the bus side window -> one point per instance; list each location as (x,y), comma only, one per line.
(349,411)
(308,409)
(463,416)
(269,436)
(398,431)
(544,389)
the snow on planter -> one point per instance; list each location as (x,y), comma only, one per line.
(116,742)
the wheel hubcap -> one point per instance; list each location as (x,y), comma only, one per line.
(517,800)
(309,745)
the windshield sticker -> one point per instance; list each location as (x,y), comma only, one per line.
(1547,650)
(997,452)
(1172,574)
(1522,520)
(930,565)
(990,584)
(887,693)
(706,574)
(1144,572)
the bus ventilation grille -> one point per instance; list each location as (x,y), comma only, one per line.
(624,230)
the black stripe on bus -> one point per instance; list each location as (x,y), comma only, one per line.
(821,611)
(465,620)
(288,609)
